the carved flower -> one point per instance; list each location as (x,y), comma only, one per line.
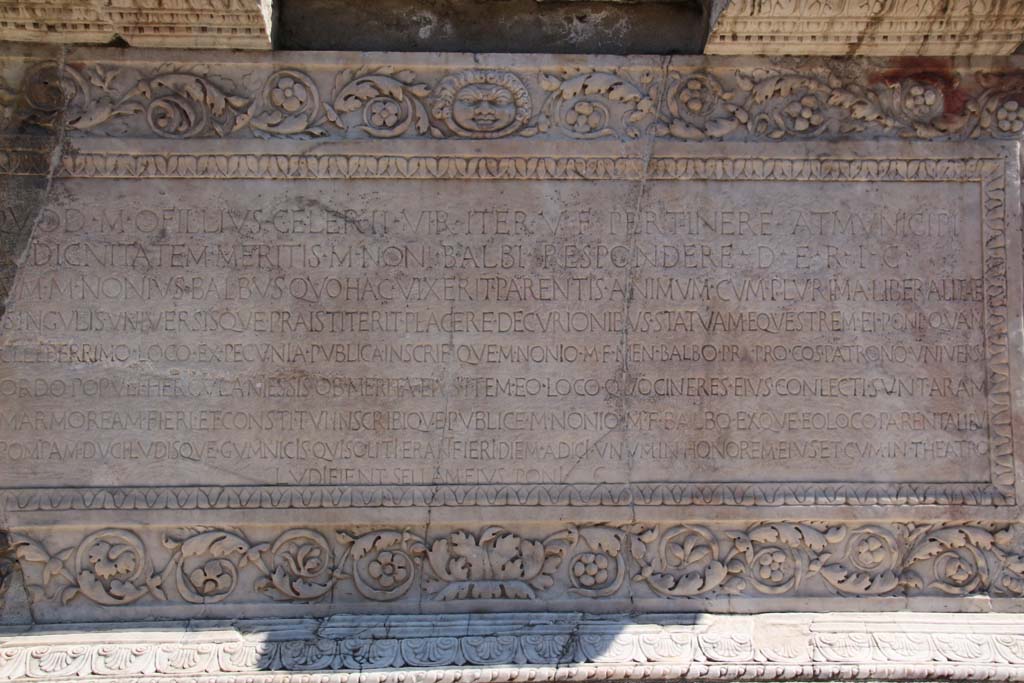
(1010,116)
(775,569)
(696,97)
(957,571)
(110,562)
(289,95)
(585,117)
(804,114)
(213,578)
(921,101)
(389,568)
(869,552)
(771,565)
(591,569)
(383,112)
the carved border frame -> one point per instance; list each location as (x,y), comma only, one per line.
(989,172)
(511,648)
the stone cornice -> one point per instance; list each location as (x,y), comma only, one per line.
(881,27)
(229,24)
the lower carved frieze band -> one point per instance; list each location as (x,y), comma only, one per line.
(533,647)
(181,573)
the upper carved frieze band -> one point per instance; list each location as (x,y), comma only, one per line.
(649,97)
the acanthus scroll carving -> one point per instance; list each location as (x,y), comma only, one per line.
(495,563)
(205,566)
(598,104)
(381,103)
(808,100)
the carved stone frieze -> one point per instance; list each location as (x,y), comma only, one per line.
(661,562)
(403,362)
(508,647)
(861,27)
(677,99)
(230,24)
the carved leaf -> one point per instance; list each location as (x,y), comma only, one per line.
(938,541)
(601,538)
(68,594)
(29,550)
(718,128)
(550,83)
(685,131)
(848,581)
(532,559)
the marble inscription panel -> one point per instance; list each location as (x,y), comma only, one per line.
(815,325)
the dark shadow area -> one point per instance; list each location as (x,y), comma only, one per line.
(520,26)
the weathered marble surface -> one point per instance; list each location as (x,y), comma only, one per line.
(533,647)
(299,335)
(889,27)
(224,24)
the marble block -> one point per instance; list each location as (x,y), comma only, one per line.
(222,24)
(411,338)
(909,28)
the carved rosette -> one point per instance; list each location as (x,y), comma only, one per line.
(383,565)
(597,104)
(598,568)
(381,104)
(205,566)
(1000,108)
(288,104)
(699,108)
(870,564)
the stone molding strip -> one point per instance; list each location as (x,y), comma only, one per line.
(461,495)
(883,27)
(228,24)
(530,647)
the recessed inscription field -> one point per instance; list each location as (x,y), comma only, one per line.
(414,332)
